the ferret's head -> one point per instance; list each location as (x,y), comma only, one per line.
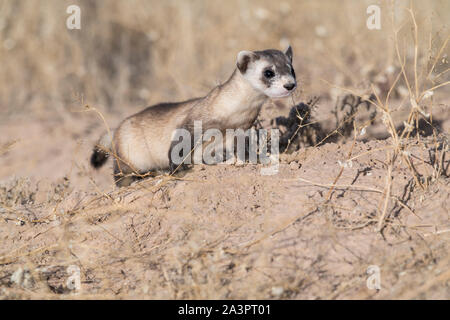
(269,71)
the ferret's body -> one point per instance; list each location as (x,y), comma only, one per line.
(142,142)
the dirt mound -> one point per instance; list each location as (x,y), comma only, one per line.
(227,232)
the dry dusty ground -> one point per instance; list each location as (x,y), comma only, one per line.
(220,232)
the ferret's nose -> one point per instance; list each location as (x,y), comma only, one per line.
(289,86)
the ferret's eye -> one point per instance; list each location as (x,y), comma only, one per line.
(269,74)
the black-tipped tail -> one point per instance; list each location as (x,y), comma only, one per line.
(98,157)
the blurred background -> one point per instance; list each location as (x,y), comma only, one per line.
(131,54)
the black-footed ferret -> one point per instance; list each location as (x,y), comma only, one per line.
(143,142)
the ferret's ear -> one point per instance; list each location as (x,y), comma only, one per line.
(288,53)
(243,59)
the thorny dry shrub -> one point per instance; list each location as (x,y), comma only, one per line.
(21,191)
(189,238)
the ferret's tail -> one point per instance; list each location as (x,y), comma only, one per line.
(101,151)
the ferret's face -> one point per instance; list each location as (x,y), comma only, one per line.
(269,71)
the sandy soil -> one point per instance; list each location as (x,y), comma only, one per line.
(220,232)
